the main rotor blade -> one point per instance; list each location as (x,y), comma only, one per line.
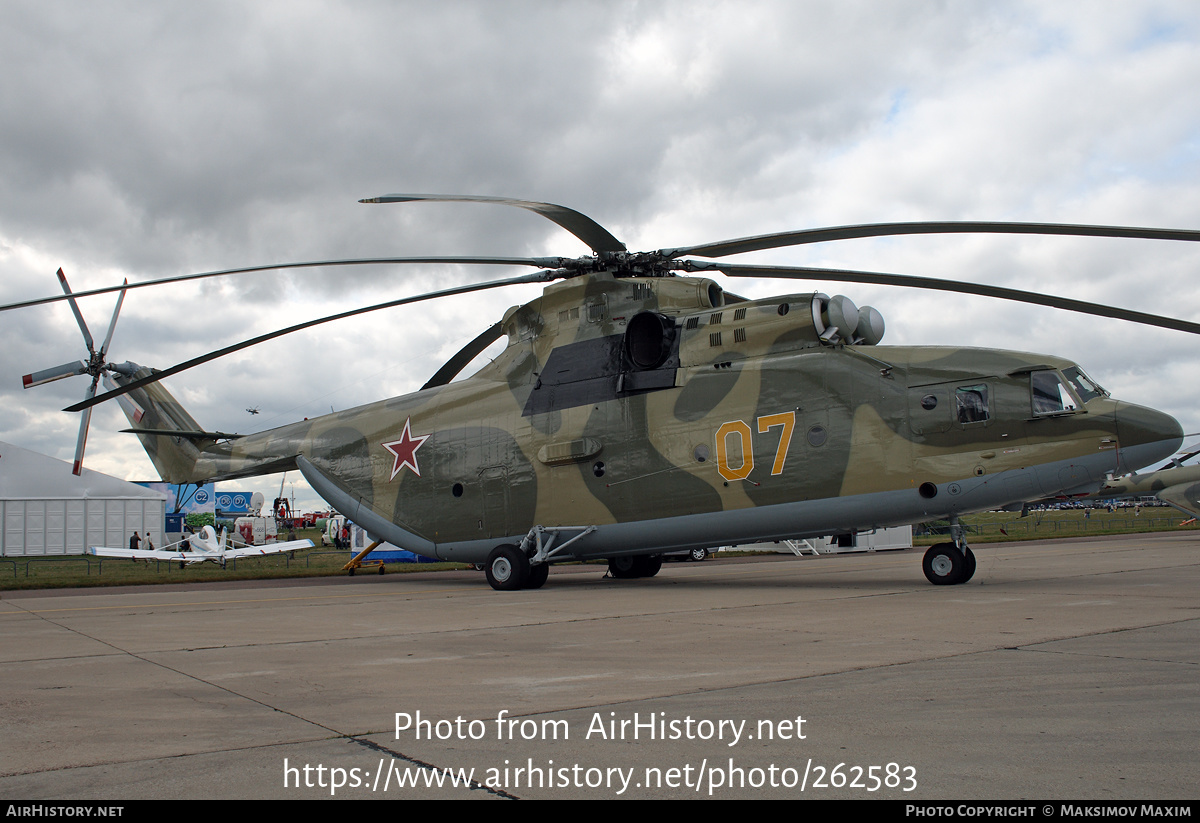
(1177,462)
(87,335)
(913,282)
(598,238)
(464,356)
(535,277)
(539,262)
(799,238)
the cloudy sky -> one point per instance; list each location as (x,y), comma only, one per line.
(145,140)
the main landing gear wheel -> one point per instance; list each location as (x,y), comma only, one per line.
(507,569)
(944,565)
(537,576)
(622,568)
(698,554)
(627,568)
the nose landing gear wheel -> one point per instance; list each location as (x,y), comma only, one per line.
(944,565)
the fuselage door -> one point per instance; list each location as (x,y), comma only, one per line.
(930,409)
(493,484)
(941,407)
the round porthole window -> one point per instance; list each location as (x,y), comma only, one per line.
(817,436)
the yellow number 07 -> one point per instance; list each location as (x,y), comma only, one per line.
(745,456)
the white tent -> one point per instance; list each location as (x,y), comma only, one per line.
(46,510)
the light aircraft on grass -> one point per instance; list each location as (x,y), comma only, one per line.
(206,547)
(635,411)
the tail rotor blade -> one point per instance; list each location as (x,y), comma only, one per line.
(87,335)
(113,323)
(84,421)
(56,373)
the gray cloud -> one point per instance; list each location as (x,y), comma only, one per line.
(144,141)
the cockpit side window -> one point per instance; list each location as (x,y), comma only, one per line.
(1084,386)
(1050,394)
(972,403)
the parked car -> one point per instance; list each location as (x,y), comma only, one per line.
(690,554)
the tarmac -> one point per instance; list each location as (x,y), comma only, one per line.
(1063,670)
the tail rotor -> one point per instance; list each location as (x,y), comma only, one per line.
(95,367)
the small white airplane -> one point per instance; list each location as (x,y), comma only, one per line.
(205,548)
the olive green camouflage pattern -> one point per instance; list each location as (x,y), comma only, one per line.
(667,415)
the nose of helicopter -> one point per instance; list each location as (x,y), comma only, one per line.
(1146,436)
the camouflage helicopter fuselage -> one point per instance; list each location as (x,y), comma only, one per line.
(650,409)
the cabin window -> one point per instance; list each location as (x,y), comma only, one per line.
(1050,394)
(972,403)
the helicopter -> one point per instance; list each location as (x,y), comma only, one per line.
(1175,484)
(638,409)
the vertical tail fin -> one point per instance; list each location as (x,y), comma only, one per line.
(154,409)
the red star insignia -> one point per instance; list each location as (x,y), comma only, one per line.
(405,451)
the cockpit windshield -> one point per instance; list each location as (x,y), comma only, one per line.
(1084,386)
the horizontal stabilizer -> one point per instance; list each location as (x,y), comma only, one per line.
(269,548)
(190,435)
(1184,496)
